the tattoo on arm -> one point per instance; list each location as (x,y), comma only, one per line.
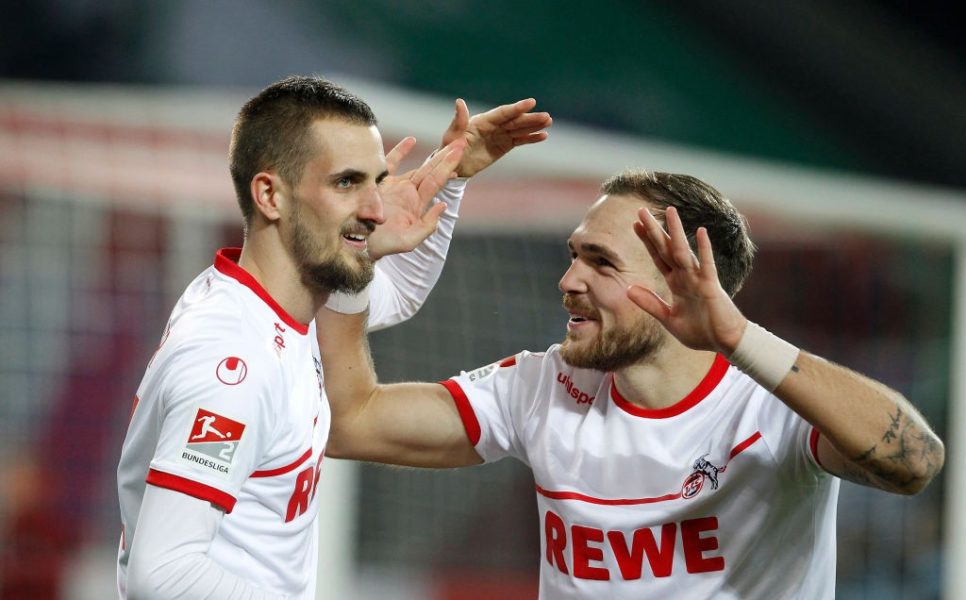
(906,456)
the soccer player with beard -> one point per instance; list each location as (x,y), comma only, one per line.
(219,468)
(679,450)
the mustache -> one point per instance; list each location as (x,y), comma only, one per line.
(357,228)
(578,305)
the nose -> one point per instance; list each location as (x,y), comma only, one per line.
(370,207)
(572,281)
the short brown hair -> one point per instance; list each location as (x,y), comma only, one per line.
(699,205)
(271,130)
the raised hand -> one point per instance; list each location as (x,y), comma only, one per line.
(490,135)
(700,314)
(406,198)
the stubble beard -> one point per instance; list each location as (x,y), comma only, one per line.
(332,272)
(614,348)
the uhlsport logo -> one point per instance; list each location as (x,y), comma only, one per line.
(213,441)
(575,392)
(702,469)
(231,370)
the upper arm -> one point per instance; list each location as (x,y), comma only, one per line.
(411,424)
(212,433)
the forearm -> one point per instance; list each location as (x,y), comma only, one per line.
(403,281)
(169,552)
(412,424)
(878,437)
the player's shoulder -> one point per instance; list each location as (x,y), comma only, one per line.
(212,324)
(549,363)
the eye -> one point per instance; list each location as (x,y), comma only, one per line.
(600,261)
(344,183)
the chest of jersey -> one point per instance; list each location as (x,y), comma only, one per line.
(664,506)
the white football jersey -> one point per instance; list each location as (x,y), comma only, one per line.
(717,496)
(231,410)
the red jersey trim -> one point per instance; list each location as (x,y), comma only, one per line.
(192,488)
(813,446)
(465,409)
(717,372)
(556,495)
(604,501)
(226,262)
(287,468)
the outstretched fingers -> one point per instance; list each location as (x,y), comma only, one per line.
(432,175)
(502,115)
(706,254)
(650,302)
(679,249)
(655,239)
(457,127)
(398,153)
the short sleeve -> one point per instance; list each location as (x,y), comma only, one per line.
(791,439)
(493,402)
(216,420)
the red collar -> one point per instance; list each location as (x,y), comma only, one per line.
(717,372)
(226,262)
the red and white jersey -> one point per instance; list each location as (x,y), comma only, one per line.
(231,410)
(717,496)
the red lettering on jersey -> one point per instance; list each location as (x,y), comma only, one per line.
(695,546)
(315,486)
(279,341)
(630,560)
(556,533)
(298,504)
(584,553)
(574,391)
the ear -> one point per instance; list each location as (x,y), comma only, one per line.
(269,195)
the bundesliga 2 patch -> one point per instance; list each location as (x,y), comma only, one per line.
(212,442)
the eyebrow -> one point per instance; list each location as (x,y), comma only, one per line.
(596,250)
(356,175)
(353,174)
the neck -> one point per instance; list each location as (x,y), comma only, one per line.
(275,270)
(664,379)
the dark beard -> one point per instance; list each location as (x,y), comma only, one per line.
(333,273)
(613,349)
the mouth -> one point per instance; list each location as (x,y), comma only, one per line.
(358,241)
(581,314)
(579,321)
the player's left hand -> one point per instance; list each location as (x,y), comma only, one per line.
(406,198)
(490,135)
(699,313)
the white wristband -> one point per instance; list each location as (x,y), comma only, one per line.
(764,356)
(348,304)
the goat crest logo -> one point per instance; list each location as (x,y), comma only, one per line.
(702,469)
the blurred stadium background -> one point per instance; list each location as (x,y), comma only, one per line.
(838,128)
